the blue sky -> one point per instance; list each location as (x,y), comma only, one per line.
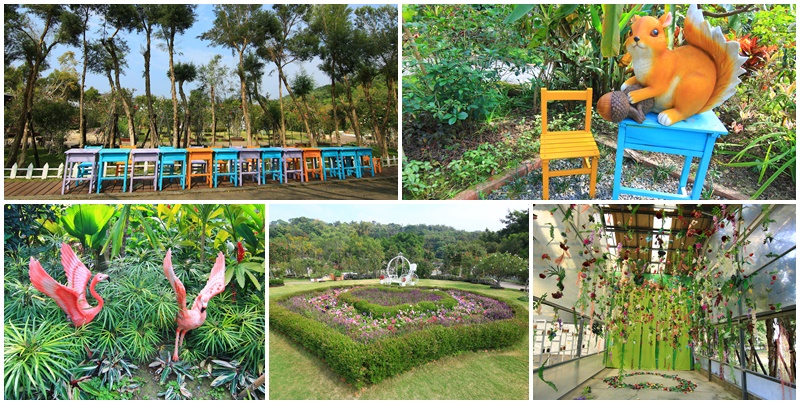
(189,49)
(462,215)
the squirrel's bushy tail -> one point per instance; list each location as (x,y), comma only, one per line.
(725,54)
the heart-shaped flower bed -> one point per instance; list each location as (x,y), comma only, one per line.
(369,333)
(684,386)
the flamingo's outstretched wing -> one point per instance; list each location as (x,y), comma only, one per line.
(180,291)
(215,284)
(66,298)
(77,274)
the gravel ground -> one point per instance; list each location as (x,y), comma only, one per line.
(576,187)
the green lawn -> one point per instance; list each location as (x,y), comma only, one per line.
(295,374)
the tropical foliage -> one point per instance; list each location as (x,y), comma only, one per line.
(472,76)
(46,357)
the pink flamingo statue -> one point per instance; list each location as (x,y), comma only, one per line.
(189,319)
(71,298)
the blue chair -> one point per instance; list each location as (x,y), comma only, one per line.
(331,163)
(364,160)
(225,159)
(272,164)
(113,156)
(169,157)
(350,166)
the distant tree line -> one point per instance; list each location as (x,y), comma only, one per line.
(302,244)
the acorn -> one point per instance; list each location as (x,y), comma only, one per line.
(615,106)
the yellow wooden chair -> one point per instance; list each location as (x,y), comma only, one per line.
(568,144)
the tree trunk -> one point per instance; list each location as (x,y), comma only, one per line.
(379,136)
(213,118)
(33,142)
(112,50)
(175,133)
(283,120)
(245,109)
(22,122)
(185,125)
(772,357)
(333,104)
(81,109)
(353,114)
(391,109)
(303,114)
(151,115)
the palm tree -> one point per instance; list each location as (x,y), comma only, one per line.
(174,19)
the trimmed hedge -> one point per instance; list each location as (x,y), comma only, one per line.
(365,306)
(275,282)
(361,364)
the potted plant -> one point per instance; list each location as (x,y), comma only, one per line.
(338,275)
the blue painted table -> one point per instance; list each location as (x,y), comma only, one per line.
(112,156)
(694,137)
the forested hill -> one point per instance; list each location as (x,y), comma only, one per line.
(365,247)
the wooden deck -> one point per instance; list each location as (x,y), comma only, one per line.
(51,188)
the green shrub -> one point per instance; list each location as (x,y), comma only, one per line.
(361,364)
(275,282)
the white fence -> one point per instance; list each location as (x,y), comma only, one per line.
(31,172)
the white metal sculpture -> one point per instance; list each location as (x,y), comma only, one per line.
(400,271)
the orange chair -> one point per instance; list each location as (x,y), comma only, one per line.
(202,158)
(312,161)
(568,144)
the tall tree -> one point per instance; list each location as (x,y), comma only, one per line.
(185,72)
(302,85)
(377,31)
(212,75)
(174,19)
(59,26)
(331,26)
(100,62)
(117,18)
(147,17)
(238,27)
(84,12)
(292,41)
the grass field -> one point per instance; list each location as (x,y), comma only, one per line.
(295,374)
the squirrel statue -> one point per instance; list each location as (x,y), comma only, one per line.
(689,79)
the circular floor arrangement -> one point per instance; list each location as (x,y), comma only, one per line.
(684,386)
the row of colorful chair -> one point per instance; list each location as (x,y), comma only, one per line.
(213,165)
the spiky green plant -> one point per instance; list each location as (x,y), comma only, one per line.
(23,302)
(36,359)
(139,339)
